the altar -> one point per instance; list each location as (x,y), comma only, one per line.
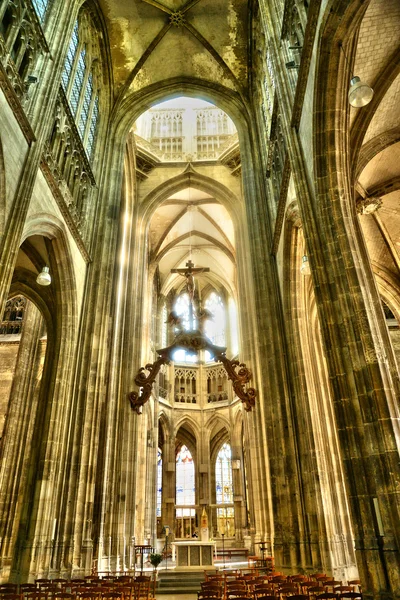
(192,554)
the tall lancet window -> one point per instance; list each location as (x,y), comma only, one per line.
(224,492)
(41,7)
(215,327)
(159,482)
(182,309)
(81,79)
(185,494)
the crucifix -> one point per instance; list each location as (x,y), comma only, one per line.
(190,285)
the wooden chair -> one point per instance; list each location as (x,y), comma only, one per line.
(351,595)
(40,582)
(38,595)
(231,595)
(315,590)
(28,587)
(62,583)
(141,588)
(126,592)
(355,583)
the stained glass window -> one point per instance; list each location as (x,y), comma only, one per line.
(41,7)
(185,494)
(86,106)
(233,327)
(164,317)
(78,82)
(224,491)
(93,128)
(215,327)
(223,475)
(69,61)
(185,488)
(159,482)
(181,308)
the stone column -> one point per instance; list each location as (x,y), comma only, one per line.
(238,485)
(17,439)
(272,455)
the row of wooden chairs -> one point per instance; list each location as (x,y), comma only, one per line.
(109,588)
(229,585)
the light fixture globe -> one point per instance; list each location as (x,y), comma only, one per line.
(305,266)
(44,277)
(360,93)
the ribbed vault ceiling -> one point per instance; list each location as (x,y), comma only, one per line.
(151,41)
(193,224)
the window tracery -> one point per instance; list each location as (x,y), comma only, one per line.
(215,327)
(185,493)
(159,482)
(41,7)
(13,315)
(213,128)
(185,385)
(217,384)
(21,42)
(70,58)
(189,322)
(70,148)
(224,491)
(80,79)
(166,133)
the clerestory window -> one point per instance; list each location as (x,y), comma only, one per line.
(80,80)
(41,7)
(189,323)
(215,327)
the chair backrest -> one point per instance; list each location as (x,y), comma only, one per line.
(141,589)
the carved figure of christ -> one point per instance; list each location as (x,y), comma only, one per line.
(189,273)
